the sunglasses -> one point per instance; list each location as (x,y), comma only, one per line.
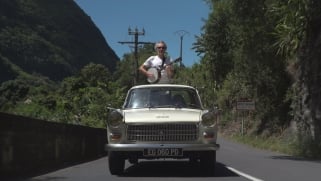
(161,48)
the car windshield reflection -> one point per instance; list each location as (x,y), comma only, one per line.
(162,98)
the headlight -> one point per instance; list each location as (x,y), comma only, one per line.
(209,119)
(115,118)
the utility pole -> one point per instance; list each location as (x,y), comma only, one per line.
(136,33)
(181,33)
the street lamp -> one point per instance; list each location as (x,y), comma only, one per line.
(181,33)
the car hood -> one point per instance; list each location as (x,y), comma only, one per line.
(162,115)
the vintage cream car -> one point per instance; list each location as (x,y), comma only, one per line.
(162,121)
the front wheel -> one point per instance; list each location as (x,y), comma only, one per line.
(208,162)
(116,163)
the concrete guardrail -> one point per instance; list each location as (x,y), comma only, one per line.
(30,145)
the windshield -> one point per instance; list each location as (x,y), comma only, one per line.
(163,97)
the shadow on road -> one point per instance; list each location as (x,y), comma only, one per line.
(173,169)
(26,176)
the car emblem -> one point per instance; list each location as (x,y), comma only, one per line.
(162,116)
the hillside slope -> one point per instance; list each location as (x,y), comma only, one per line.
(51,38)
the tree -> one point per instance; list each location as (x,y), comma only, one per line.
(241,61)
(86,96)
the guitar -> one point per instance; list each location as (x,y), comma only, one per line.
(156,71)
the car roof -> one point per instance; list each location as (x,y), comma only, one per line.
(161,85)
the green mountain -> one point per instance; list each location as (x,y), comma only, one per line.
(52,38)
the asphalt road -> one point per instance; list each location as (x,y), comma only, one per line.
(234,162)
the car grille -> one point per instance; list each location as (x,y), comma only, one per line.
(162,132)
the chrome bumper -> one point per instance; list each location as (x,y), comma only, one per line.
(141,147)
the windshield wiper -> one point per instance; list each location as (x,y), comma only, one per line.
(162,106)
(195,106)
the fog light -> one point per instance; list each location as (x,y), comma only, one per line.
(210,135)
(115,136)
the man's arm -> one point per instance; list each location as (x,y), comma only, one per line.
(143,70)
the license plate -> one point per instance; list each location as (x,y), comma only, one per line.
(163,152)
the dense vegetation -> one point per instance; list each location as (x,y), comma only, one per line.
(262,50)
(267,51)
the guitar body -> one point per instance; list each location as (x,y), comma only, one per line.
(157,78)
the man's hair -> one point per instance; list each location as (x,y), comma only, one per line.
(160,42)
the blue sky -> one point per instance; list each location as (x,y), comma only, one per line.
(162,20)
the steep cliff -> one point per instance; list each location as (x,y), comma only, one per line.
(51,38)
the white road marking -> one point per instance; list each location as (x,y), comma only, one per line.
(244,174)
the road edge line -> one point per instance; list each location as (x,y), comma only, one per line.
(244,174)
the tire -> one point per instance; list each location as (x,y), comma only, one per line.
(208,162)
(116,163)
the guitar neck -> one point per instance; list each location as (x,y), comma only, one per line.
(176,60)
